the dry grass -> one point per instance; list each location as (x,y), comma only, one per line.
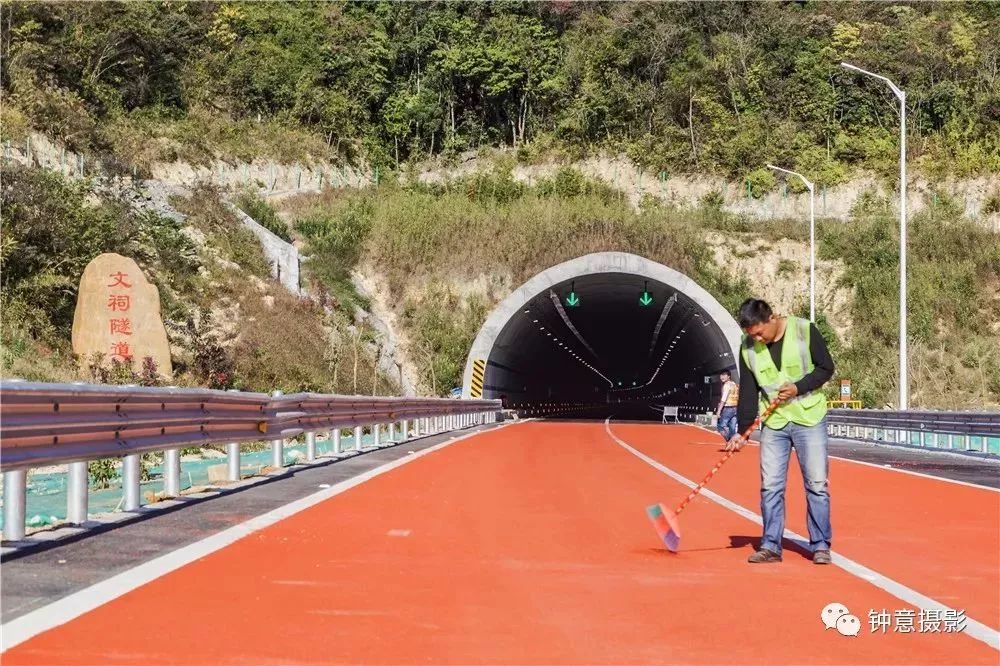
(201,137)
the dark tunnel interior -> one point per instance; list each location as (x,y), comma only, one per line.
(616,343)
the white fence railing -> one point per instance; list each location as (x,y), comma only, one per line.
(46,424)
(964,431)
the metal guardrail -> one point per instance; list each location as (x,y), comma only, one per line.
(45,424)
(966,431)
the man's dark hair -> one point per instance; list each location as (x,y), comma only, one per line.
(753,311)
(726,373)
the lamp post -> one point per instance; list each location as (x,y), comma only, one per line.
(812,238)
(901,96)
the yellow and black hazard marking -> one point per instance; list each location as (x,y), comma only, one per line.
(478,373)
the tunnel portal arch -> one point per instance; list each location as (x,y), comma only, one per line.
(565,273)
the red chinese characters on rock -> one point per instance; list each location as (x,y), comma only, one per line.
(119,302)
(121,351)
(117,319)
(120,325)
(119,280)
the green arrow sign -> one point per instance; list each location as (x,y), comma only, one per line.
(645,299)
(572,300)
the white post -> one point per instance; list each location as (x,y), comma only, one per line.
(377,434)
(233,460)
(812,252)
(335,434)
(406,429)
(14,498)
(277,453)
(76,493)
(357,438)
(392,432)
(904,388)
(310,447)
(172,472)
(904,381)
(130,482)
(277,445)
(812,238)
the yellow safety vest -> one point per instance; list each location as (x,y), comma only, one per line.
(733,399)
(796,363)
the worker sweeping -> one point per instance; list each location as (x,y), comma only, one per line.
(786,359)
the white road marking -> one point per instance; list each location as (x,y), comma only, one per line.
(74,605)
(973,628)
(944,452)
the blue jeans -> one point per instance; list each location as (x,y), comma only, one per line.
(727,423)
(810,444)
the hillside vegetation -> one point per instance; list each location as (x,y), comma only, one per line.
(695,87)
(706,89)
(447,253)
(229,323)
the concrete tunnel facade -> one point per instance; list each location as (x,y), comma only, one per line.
(614,345)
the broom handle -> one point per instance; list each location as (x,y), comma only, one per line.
(729,454)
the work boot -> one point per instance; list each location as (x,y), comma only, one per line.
(764,556)
(821,557)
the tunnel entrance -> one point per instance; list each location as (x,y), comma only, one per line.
(607,329)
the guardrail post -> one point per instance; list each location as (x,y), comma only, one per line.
(277,445)
(310,447)
(76,493)
(14,488)
(392,432)
(277,453)
(172,472)
(233,461)
(130,482)
(357,438)
(335,434)
(406,429)
(377,434)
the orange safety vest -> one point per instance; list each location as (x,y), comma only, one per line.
(733,399)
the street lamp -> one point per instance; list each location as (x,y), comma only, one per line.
(812,239)
(901,95)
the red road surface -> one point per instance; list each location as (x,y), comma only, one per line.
(529,545)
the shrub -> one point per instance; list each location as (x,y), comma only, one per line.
(262,212)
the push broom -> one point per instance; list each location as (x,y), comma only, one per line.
(665,521)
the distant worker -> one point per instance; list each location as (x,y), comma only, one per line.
(786,358)
(726,411)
